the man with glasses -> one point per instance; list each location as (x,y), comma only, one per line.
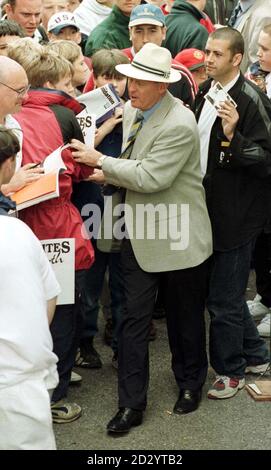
(13,90)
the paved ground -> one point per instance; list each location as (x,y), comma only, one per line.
(236,423)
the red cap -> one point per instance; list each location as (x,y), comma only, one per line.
(192,58)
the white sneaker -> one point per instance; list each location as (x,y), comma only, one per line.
(264,327)
(225,387)
(256,308)
(259,369)
(75,378)
(257,298)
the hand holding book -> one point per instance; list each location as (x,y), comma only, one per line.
(44,184)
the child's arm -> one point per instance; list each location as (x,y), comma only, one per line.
(108,126)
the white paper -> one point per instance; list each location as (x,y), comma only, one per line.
(87,122)
(217,95)
(54,162)
(255,389)
(101,101)
(61,254)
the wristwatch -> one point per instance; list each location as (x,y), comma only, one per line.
(100,161)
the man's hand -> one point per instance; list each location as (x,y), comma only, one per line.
(25,175)
(84,154)
(97,176)
(229,115)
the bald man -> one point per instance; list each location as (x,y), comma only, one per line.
(13,90)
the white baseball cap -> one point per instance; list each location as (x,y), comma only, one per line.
(61,20)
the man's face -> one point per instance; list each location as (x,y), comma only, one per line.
(11,100)
(126,6)
(26,13)
(219,61)
(143,33)
(264,51)
(50,7)
(4,42)
(145,94)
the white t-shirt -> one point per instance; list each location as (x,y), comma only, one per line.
(27,281)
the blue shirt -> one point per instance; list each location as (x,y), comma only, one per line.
(147,114)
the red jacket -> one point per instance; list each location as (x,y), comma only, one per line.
(47,120)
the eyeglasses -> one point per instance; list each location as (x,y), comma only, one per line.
(21,92)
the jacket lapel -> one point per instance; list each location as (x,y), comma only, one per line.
(154,121)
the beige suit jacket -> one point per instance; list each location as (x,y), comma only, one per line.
(164,173)
(252,22)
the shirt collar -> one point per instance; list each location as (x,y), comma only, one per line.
(230,84)
(147,114)
(246,5)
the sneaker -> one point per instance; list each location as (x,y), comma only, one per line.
(76,379)
(225,387)
(259,369)
(256,308)
(264,327)
(257,298)
(65,412)
(115,363)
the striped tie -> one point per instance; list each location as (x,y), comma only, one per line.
(132,136)
(236,12)
(110,189)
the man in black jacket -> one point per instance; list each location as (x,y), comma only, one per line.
(236,163)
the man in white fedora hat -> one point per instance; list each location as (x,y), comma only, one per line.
(168,233)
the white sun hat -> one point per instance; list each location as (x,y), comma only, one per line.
(151,63)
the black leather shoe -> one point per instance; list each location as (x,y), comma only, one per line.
(124,420)
(188,401)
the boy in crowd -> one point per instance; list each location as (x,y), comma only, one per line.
(70,51)
(62,25)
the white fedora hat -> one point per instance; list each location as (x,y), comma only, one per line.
(151,63)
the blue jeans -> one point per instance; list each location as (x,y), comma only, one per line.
(93,289)
(234,338)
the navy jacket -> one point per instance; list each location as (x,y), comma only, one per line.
(237,181)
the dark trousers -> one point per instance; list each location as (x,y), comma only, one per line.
(234,338)
(185,301)
(66,329)
(93,289)
(262,264)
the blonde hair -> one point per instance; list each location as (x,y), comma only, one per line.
(48,67)
(24,51)
(67,49)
